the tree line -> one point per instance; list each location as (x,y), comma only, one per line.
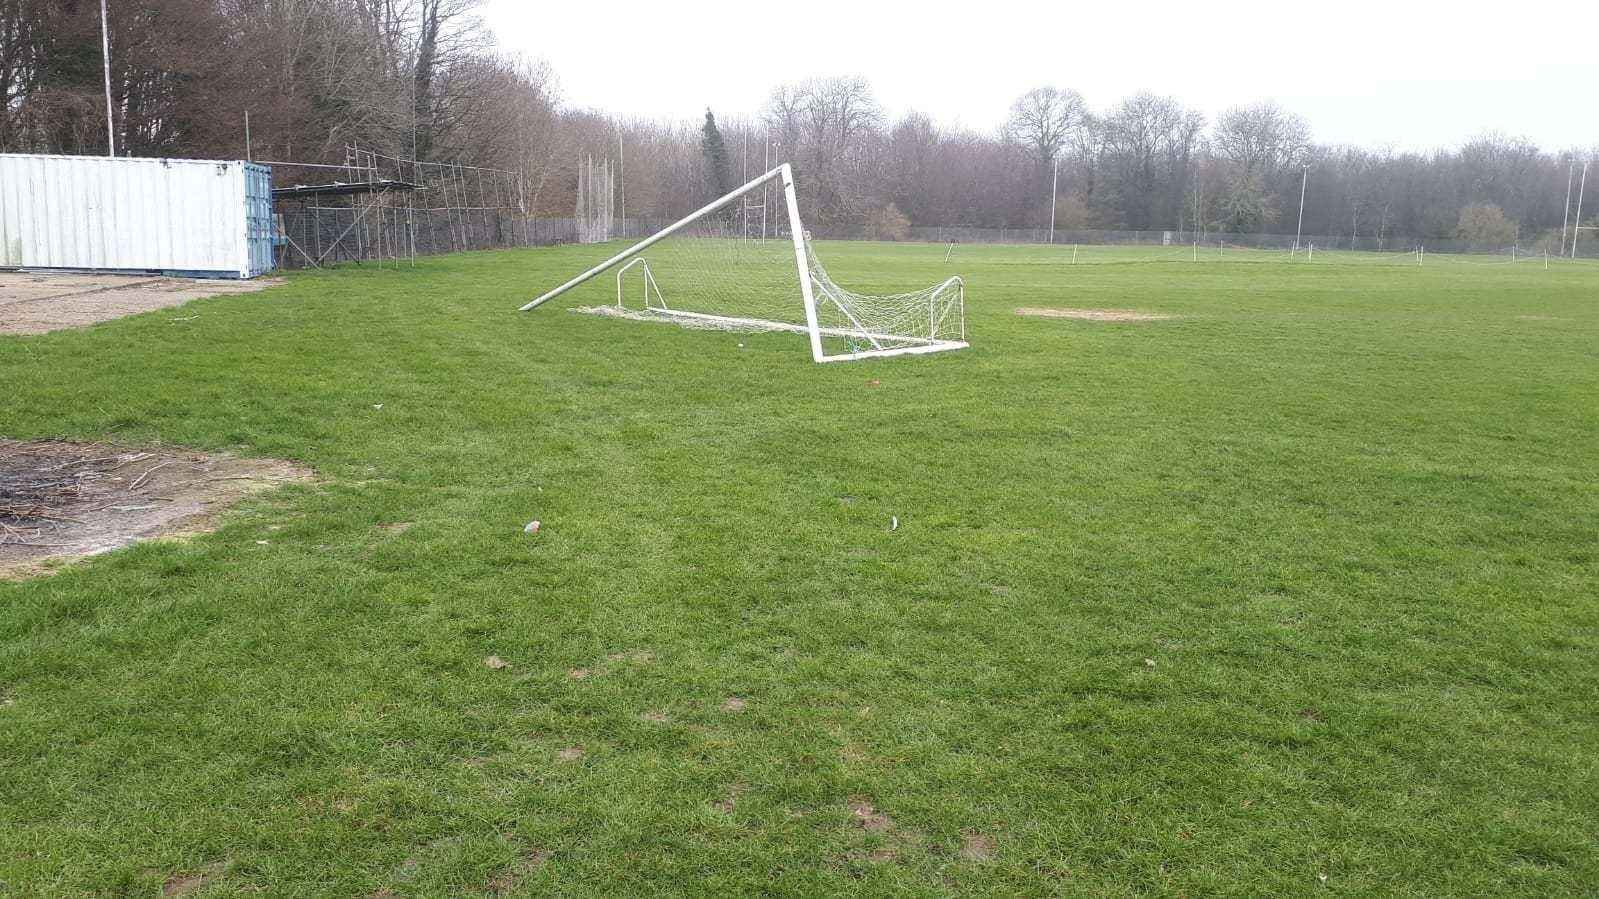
(425,79)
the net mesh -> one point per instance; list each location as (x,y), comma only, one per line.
(735,269)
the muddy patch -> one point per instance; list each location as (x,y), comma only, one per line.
(1095,315)
(60,501)
(35,303)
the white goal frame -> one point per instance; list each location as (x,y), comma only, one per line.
(809,285)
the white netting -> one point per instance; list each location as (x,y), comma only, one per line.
(866,322)
(736,269)
(596,201)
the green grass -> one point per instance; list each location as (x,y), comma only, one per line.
(1349,513)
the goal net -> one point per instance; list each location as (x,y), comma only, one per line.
(745,263)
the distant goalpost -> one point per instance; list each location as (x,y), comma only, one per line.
(711,270)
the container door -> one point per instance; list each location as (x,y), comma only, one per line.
(258,218)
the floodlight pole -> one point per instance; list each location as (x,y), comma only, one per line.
(1304,180)
(1577,230)
(105,58)
(1571,169)
(1054,195)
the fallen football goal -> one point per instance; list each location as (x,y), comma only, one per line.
(730,266)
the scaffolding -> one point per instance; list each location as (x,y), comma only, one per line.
(389,209)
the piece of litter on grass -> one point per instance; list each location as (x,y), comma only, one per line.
(741,346)
(262,542)
(1149,663)
(1322,877)
(531,528)
(893,522)
(496,663)
(377,405)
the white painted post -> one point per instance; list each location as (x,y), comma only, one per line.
(1571,170)
(802,261)
(1074,254)
(1576,230)
(1054,195)
(105,57)
(1304,180)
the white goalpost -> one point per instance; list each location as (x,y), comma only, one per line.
(710,270)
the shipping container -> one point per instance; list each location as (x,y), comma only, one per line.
(191,217)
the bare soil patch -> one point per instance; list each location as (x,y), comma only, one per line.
(734,794)
(868,818)
(35,302)
(62,500)
(1094,315)
(976,847)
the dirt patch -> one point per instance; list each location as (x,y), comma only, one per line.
(35,303)
(977,847)
(511,880)
(1095,315)
(868,818)
(569,754)
(62,500)
(188,881)
(734,794)
(734,704)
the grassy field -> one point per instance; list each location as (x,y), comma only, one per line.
(1292,594)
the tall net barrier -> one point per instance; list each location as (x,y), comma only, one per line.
(737,265)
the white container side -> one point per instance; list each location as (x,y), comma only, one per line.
(180,216)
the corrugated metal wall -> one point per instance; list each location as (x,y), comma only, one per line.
(183,216)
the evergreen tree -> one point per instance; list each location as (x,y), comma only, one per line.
(718,178)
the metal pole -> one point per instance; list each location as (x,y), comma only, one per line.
(621,179)
(1054,194)
(1303,181)
(105,57)
(1576,230)
(247,154)
(1571,169)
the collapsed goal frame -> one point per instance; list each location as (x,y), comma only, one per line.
(841,325)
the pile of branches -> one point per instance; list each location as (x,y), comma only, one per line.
(40,483)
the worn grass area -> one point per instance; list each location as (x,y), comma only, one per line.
(1294,592)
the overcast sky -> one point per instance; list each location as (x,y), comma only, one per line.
(1411,75)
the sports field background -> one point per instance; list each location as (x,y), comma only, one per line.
(1293,592)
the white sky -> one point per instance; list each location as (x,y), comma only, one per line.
(1411,75)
